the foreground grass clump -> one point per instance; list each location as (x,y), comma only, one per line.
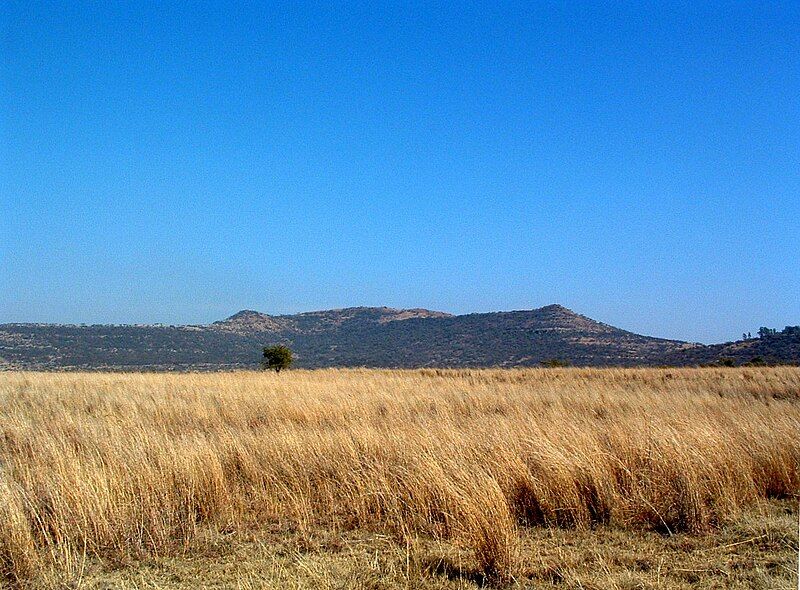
(756,552)
(126,466)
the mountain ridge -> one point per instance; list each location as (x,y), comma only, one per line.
(369,337)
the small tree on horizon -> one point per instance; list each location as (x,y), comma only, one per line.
(764,332)
(277,357)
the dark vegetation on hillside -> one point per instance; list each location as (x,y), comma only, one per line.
(375,337)
(770,348)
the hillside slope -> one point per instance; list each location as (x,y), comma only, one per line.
(780,348)
(360,336)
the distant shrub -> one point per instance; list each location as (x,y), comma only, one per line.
(277,357)
(555,363)
(756,361)
(726,362)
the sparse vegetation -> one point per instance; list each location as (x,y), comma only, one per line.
(120,468)
(756,361)
(555,363)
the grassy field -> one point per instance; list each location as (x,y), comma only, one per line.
(573,478)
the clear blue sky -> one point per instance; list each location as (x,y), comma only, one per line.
(638,163)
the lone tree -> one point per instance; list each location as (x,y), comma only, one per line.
(277,357)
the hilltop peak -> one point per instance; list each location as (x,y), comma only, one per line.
(248,320)
(379,310)
(555,307)
(245,314)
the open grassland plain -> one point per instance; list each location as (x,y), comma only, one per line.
(551,478)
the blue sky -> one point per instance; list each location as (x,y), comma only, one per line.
(638,163)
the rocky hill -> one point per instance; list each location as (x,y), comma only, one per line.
(315,322)
(360,336)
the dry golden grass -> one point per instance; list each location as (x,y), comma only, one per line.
(127,466)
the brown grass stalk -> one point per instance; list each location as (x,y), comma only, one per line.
(125,465)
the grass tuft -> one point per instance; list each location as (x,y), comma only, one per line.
(120,466)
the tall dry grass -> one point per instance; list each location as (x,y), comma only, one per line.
(124,465)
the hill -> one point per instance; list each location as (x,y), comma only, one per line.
(369,337)
(383,337)
(359,336)
(775,348)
